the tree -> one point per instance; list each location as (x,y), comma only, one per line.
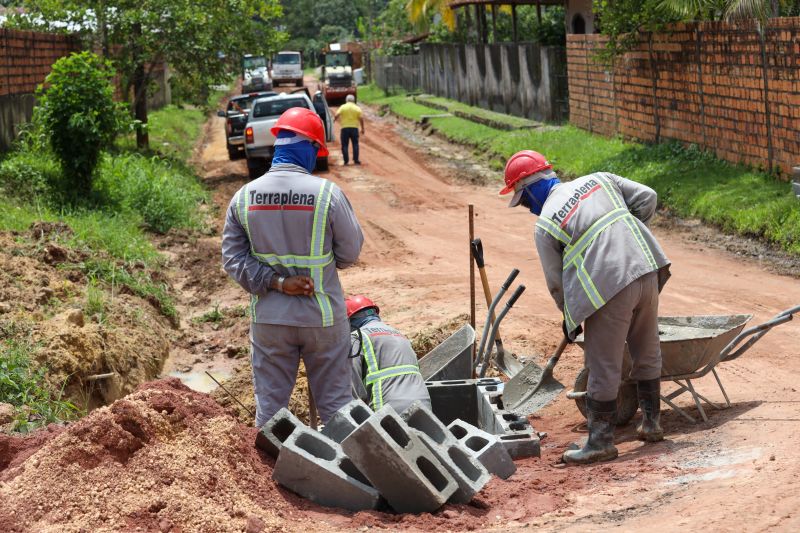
(190,35)
(79,116)
(421,11)
(730,9)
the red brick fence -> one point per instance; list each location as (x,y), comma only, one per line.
(727,88)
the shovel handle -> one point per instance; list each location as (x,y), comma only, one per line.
(515,296)
(510,279)
(477,252)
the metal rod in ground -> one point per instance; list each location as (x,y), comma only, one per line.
(472,277)
(234,398)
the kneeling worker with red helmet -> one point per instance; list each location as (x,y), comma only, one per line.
(385,369)
(604,268)
(285,235)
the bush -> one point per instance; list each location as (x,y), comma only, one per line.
(28,175)
(79,117)
(165,195)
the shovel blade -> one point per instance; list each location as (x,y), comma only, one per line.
(517,395)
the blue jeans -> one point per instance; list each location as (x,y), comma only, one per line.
(349,135)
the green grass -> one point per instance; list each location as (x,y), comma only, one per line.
(23,385)
(485,114)
(689,182)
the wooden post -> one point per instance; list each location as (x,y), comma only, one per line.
(472,275)
(539,12)
(514,21)
(494,23)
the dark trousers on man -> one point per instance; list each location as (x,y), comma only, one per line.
(349,135)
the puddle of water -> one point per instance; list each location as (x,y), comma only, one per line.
(199,380)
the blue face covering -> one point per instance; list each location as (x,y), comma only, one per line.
(294,151)
(362,318)
(536,194)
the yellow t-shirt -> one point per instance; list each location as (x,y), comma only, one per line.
(349,115)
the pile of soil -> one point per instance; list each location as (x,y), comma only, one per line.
(241,386)
(163,459)
(432,336)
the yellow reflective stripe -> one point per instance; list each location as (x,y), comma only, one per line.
(317,245)
(369,353)
(637,234)
(296,261)
(244,218)
(568,318)
(553,229)
(616,201)
(587,284)
(377,396)
(391,372)
(600,225)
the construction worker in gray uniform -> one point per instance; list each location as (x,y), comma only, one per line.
(285,235)
(385,368)
(603,267)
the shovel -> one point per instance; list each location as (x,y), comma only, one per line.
(506,363)
(533,387)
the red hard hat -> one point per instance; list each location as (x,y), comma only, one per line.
(305,122)
(521,165)
(358,303)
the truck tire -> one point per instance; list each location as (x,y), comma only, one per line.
(255,168)
(322,164)
(233,152)
(298,83)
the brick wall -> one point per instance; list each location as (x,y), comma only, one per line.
(721,86)
(26,57)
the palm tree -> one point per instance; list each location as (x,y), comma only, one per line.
(729,9)
(420,11)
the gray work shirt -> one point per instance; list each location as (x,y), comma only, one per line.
(288,222)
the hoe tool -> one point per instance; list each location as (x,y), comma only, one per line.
(534,387)
(505,362)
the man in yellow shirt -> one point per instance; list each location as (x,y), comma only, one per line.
(349,115)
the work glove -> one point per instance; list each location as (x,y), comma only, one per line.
(570,339)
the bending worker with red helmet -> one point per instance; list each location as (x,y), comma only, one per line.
(603,267)
(385,368)
(285,235)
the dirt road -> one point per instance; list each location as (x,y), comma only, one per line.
(736,472)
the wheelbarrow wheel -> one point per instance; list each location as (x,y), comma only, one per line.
(627,400)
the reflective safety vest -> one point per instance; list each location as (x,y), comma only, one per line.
(314,262)
(614,262)
(376,375)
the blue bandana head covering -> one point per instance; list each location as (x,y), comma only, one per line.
(363,317)
(294,149)
(537,192)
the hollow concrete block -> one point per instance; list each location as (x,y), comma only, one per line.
(346,419)
(398,464)
(277,429)
(316,468)
(467,471)
(485,447)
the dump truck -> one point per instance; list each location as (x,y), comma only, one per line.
(255,74)
(339,60)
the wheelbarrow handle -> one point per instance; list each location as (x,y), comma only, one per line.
(755,333)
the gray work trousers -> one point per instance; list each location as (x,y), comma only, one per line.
(632,316)
(275,355)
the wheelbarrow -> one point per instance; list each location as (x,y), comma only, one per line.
(691,347)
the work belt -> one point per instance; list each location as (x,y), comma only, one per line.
(317,258)
(575,249)
(376,375)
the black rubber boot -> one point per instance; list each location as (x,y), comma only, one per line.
(600,444)
(649,393)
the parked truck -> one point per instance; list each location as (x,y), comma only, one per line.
(338,63)
(255,74)
(259,143)
(287,67)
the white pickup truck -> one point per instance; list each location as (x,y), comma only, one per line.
(259,143)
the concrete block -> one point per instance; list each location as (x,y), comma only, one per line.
(277,429)
(521,444)
(399,464)
(452,359)
(485,447)
(346,419)
(419,417)
(468,472)
(316,468)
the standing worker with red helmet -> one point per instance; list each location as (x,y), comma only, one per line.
(285,235)
(385,368)
(605,269)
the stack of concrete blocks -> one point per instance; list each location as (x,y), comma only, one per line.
(469,473)
(314,466)
(398,464)
(479,402)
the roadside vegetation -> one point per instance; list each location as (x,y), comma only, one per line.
(689,182)
(106,205)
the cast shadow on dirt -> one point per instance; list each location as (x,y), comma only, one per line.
(213,182)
